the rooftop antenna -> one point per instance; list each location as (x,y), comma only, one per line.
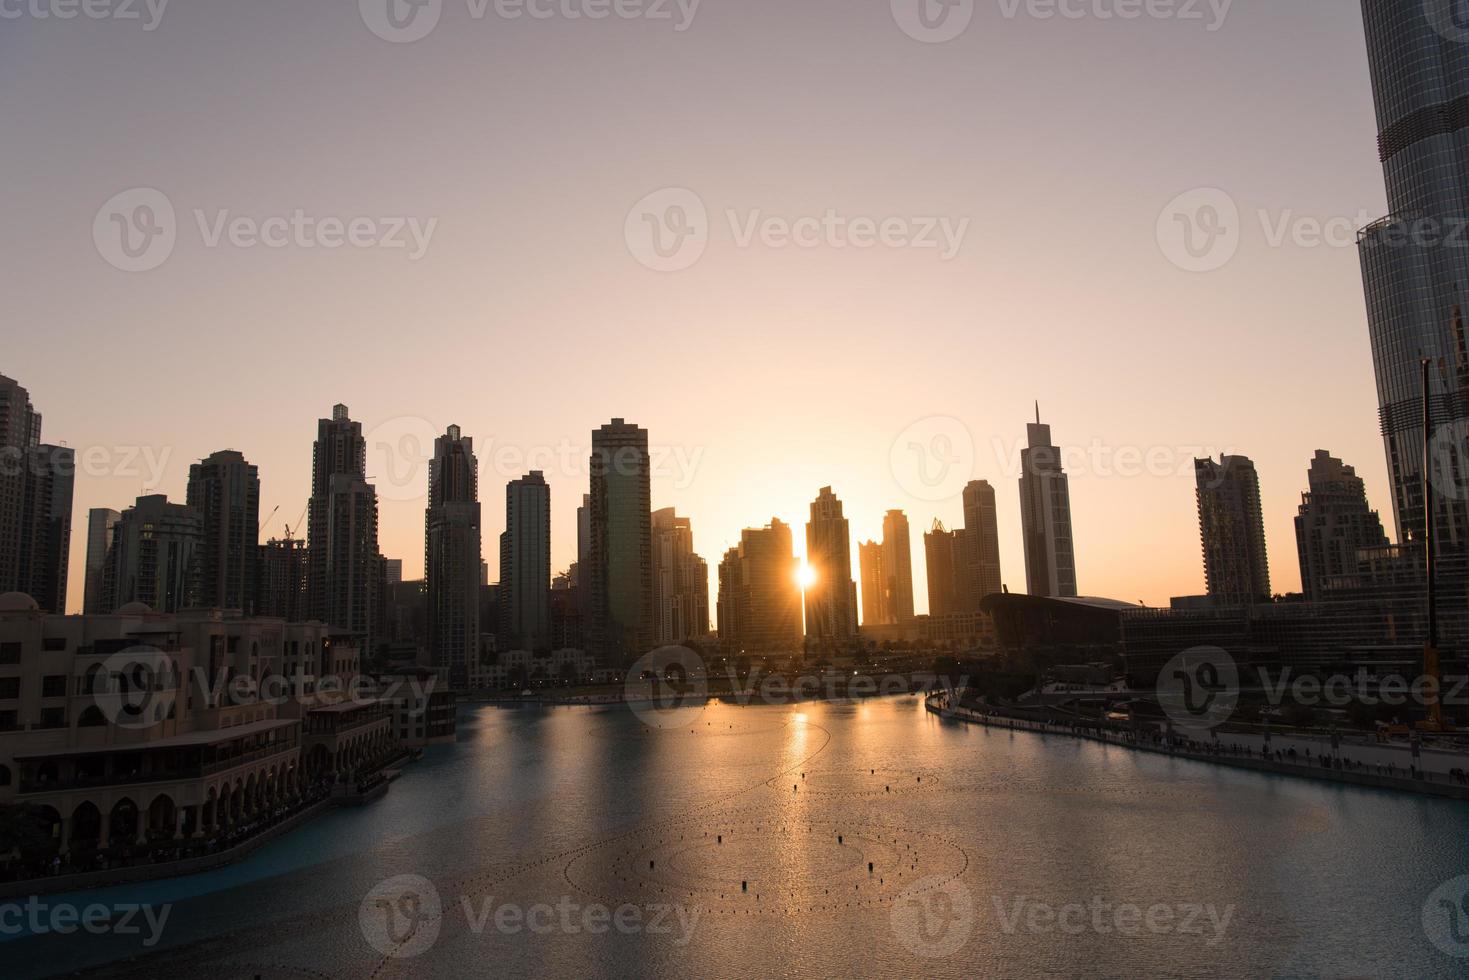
(1037,412)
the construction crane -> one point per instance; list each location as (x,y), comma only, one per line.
(298,522)
(268,518)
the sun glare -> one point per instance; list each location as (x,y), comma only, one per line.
(806,576)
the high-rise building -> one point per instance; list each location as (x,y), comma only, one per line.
(897,566)
(942,550)
(344,567)
(281,580)
(1045,516)
(224,490)
(393,571)
(831,598)
(680,581)
(155,557)
(981,545)
(1414,277)
(452,557)
(759,595)
(525,565)
(36,484)
(1334,525)
(620,553)
(100,522)
(876,609)
(1236,569)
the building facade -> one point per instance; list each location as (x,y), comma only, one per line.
(680,581)
(1045,516)
(100,523)
(345,570)
(154,558)
(831,597)
(452,558)
(1232,529)
(1334,526)
(620,553)
(36,486)
(1415,281)
(525,565)
(759,595)
(224,490)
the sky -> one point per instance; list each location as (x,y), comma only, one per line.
(803,244)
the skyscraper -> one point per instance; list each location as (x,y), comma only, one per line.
(981,545)
(281,580)
(897,566)
(876,610)
(1334,524)
(100,522)
(36,484)
(621,547)
(942,550)
(155,557)
(759,596)
(1045,516)
(224,490)
(452,557)
(831,599)
(1236,569)
(1415,281)
(525,565)
(345,570)
(680,581)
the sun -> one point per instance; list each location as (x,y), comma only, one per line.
(805,576)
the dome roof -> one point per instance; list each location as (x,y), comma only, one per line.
(17,602)
(135,609)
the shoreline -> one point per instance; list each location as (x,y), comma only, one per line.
(1402,784)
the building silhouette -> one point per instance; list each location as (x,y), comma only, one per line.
(100,522)
(831,599)
(680,581)
(452,557)
(759,604)
(345,570)
(525,565)
(1334,526)
(897,566)
(1414,281)
(281,579)
(224,490)
(1232,528)
(620,549)
(36,486)
(981,544)
(876,609)
(1045,516)
(155,558)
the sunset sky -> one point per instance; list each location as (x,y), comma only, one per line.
(764,370)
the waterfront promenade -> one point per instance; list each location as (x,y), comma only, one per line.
(1374,766)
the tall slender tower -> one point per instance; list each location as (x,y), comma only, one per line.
(1232,527)
(876,609)
(831,600)
(621,547)
(224,490)
(452,558)
(100,524)
(981,544)
(36,484)
(897,566)
(1045,515)
(1416,282)
(343,562)
(525,564)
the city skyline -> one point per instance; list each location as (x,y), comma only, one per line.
(1133,330)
